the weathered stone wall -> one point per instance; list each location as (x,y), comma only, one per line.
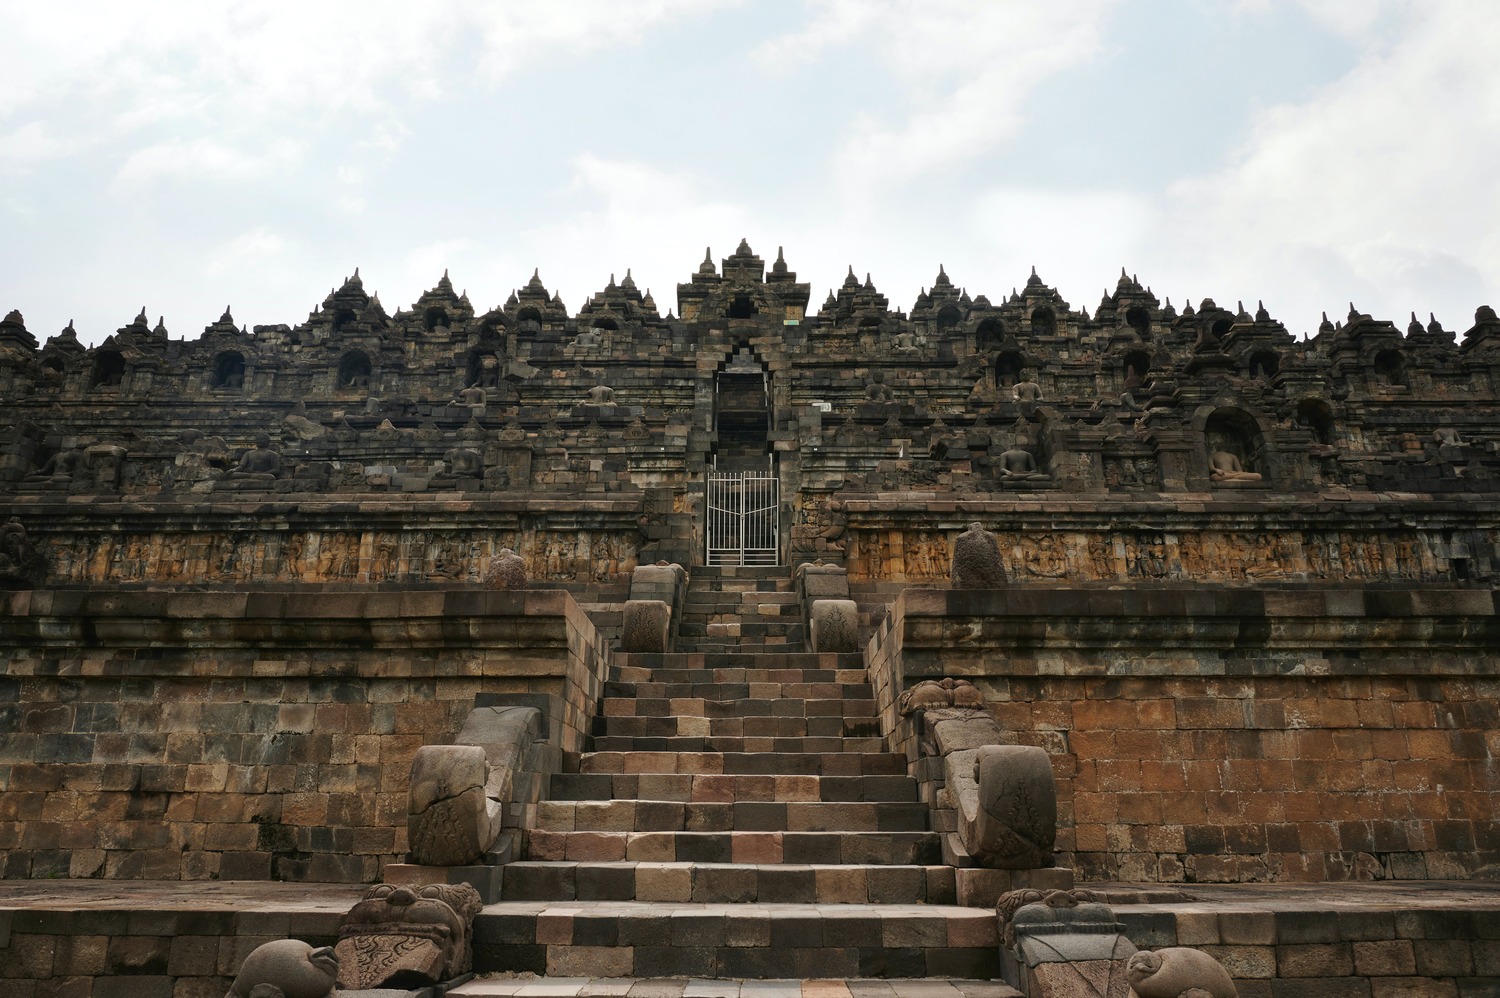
(1212,538)
(157,944)
(256,735)
(370,540)
(1233,735)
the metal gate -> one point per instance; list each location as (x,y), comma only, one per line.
(743,518)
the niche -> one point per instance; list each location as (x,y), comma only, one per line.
(1043,322)
(529,320)
(948,317)
(604,322)
(742,307)
(1235,431)
(354,370)
(1264,364)
(1315,415)
(435,318)
(1008,368)
(1140,320)
(229,370)
(989,335)
(343,319)
(109,369)
(484,370)
(1137,366)
(1390,367)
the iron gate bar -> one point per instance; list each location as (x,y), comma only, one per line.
(743,518)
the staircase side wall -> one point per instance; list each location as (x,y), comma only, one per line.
(1233,735)
(262,735)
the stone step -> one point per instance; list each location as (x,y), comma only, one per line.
(725,883)
(704,572)
(745,626)
(679,695)
(792,744)
(896,848)
(720,788)
(635,705)
(792,660)
(699,602)
(763,585)
(643,939)
(727,676)
(755,763)
(739,816)
(765,645)
(750,726)
(510,986)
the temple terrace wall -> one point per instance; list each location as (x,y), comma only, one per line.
(259,735)
(1217,735)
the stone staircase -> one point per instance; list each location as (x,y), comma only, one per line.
(738,817)
(740,609)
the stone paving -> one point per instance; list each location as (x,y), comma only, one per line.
(527,986)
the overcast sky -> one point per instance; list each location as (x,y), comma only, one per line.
(188,156)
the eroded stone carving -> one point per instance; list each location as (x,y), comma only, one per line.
(407,937)
(1007,804)
(1225,467)
(834,625)
(1178,972)
(1013,901)
(977,563)
(1063,945)
(259,463)
(1018,465)
(449,819)
(646,626)
(506,571)
(20,564)
(286,968)
(931,694)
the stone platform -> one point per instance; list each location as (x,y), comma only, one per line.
(167,939)
(525,986)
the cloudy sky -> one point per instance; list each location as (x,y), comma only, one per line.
(188,156)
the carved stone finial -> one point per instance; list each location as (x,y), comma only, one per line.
(977,563)
(507,571)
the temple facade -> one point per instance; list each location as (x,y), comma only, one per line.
(1137,443)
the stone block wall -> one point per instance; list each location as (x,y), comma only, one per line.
(156,945)
(1358,947)
(256,735)
(1233,736)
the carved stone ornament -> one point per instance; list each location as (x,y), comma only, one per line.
(450,820)
(506,571)
(1178,972)
(1007,809)
(976,560)
(933,694)
(286,968)
(407,936)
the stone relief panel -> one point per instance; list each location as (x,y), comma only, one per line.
(337,556)
(922,557)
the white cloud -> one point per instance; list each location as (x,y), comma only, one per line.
(516,33)
(639,216)
(966,67)
(202,159)
(254,248)
(30,144)
(1076,239)
(1379,186)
